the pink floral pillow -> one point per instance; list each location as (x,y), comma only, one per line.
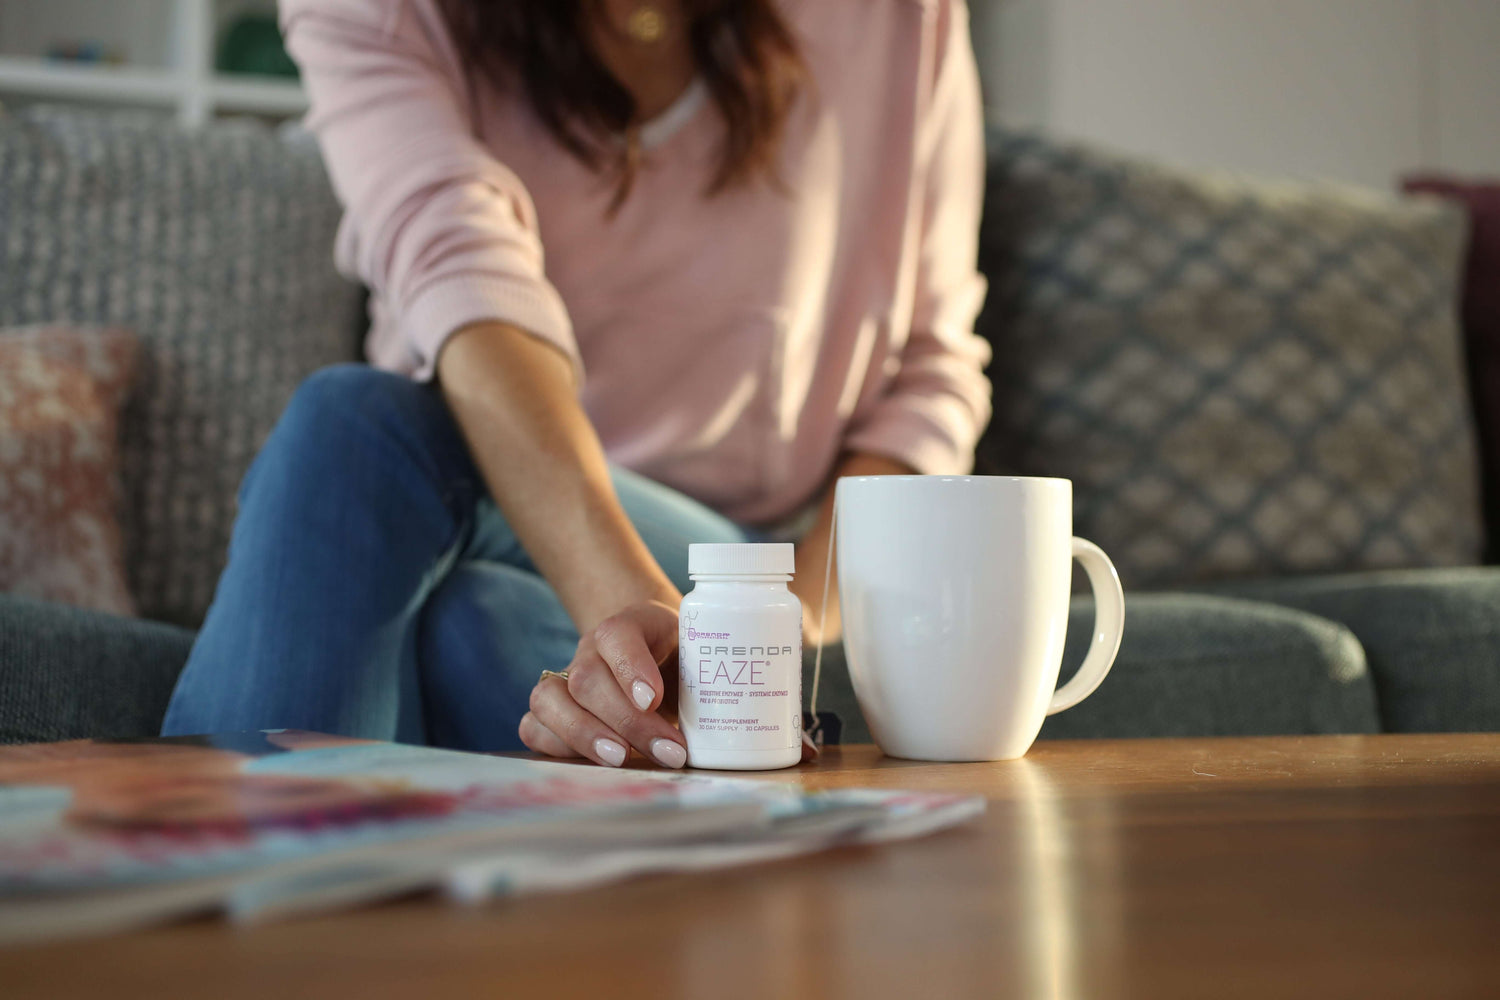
(61,389)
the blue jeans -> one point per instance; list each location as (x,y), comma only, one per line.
(373,589)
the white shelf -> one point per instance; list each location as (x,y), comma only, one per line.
(266,95)
(119,84)
(130,85)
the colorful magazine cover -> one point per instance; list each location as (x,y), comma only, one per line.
(96,835)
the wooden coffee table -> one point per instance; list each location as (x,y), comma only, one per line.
(1338,866)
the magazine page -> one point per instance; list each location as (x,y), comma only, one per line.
(843,823)
(100,835)
(797,823)
(192,813)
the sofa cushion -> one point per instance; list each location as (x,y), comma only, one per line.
(1241,378)
(1192,665)
(215,247)
(1432,639)
(67,673)
(1481,322)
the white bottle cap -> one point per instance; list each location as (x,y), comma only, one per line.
(741,559)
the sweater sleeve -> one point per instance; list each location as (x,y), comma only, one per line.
(938,401)
(439,229)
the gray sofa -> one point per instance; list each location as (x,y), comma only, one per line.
(230,230)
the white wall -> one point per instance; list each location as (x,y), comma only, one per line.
(1467,75)
(1358,90)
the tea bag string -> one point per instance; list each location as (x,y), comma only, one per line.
(833,527)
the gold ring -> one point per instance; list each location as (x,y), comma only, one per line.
(561,675)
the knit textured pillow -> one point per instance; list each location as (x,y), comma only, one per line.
(1241,378)
(60,394)
(215,246)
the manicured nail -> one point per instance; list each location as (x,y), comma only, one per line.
(609,751)
(642,693)
(668,754)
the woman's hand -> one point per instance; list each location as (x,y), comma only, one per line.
(516,400)
(610,699)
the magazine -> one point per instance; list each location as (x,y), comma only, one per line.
(103,835)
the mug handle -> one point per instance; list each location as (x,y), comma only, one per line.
(1109,623)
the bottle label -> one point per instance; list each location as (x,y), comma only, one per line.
(741,682)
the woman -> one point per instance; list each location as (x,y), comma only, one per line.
(759,223)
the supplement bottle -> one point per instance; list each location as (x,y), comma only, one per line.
(740,658)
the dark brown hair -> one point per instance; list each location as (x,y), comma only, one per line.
(744,52)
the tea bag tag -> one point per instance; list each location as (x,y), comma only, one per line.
(812,723)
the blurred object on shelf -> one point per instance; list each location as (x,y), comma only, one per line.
(86,52)
(252,45)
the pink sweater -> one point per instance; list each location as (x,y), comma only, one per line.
(731,347)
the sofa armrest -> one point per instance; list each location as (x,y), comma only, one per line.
(67,673)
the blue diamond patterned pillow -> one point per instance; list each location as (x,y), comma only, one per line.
(1240,377)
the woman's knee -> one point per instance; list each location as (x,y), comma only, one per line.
(352,412)
(347,397)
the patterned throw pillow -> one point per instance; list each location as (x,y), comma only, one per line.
(1241,378)
(215,245)
(60,395)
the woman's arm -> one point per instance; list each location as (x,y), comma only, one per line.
(435,224)
(938,402)
(446,237)
(934,408)
(515,400)
(812,552)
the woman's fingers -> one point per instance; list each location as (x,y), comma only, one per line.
(554,708)
(614,684)
(594,688)
(543,740)
(633,643)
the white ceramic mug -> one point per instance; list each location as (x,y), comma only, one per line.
(954,593)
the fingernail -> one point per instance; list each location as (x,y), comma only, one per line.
(609,751)
(668,754)
(643,695)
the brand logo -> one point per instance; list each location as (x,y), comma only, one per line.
(693,633)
